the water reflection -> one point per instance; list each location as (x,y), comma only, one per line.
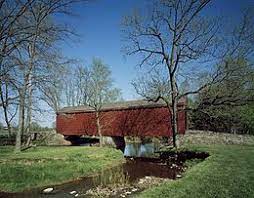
(141,150)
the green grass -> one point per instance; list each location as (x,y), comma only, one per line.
(228,172)
(44,166)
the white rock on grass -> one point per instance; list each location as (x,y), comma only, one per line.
(73,192)
(134,190)
(48,190)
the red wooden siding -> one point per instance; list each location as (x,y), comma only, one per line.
(126,122)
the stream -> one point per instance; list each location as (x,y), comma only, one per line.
(140,171)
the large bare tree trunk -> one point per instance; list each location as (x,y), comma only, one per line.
(28,83)
(29,111)
(171,71)
(174,123)
(174,110)
(98,125)
(21,119)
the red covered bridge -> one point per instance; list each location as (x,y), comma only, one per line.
(130,118)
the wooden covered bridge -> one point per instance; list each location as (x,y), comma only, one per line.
(130,118)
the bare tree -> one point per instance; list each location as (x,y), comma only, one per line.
(177,43)
(11,36)
(100,90)
(85,85)
(28,34)
(171,36)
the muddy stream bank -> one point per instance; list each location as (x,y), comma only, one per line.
(143,168)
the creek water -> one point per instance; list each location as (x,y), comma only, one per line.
(130,174)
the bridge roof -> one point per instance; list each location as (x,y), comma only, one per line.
(133,104)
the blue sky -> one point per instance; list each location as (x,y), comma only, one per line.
(98,24)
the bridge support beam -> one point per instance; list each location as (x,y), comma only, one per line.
(117,142)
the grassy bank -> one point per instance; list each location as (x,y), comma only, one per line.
(44,166)
(228,172)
